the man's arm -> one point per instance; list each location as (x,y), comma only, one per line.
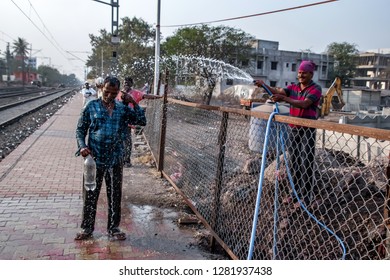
(151,96)
(273,90)
(303,104)
(138,115)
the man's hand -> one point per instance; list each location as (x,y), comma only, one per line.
(278,97)
(85,151)
(128,98)
(259,83)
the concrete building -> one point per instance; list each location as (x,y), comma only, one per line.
(279,68)
(373,70)
(357,99)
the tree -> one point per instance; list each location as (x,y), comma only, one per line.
(101,55)
(3,66)
(344,55)
(50,76)
(134,53)
(222,43)
(20,48)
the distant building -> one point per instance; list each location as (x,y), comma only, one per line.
(280,68)
(373,70)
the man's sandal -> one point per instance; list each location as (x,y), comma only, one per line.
(118,235)
(83,235)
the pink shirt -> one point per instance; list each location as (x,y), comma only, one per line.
(136,94)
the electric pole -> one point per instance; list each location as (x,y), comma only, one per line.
(157,51)
(114,33)
(8,58)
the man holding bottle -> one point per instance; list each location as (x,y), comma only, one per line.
(104,120)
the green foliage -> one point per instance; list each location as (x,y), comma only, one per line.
(137,50)
(20,47)
(51,77)
(222,43)
(3,66)
(344,55)
(134,53)
(101,52)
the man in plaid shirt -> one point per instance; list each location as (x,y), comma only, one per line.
(104,121)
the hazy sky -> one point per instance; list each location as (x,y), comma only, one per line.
(56,27)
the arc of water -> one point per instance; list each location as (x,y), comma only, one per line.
(224,69)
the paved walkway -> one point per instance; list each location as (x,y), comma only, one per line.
(40,205)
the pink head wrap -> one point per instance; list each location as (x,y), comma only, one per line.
(307,66)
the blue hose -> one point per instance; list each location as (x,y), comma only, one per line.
(260,189)
(276,204)
(260,186)
(304,207)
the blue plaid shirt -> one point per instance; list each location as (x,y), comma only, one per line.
(105,133)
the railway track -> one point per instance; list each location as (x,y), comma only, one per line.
(18,121)
(17,104)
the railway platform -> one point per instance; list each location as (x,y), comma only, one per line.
(41,205)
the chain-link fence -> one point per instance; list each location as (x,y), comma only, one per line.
(321,190)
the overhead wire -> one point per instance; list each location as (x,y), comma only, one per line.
(252,15)
(7,36)
(44,25)
(55,45)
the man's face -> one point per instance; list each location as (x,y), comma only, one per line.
(128,84)
(304,77)
(109,92)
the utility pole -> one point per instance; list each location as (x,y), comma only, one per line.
(8,58)
(114,33)
(157,51)
(102,70)
(28,66)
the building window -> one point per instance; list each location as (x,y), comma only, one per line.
(286,83)
(323,69)
(259,64)
(294,67)
(245,62)
(272,83)
(274,65)
(287,65)
(229,82)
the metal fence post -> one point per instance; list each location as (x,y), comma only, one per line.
(323,138)
(219,174)
(163,125)
(386,210)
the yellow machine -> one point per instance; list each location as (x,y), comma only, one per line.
(328,96)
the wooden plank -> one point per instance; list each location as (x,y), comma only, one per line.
(380,134)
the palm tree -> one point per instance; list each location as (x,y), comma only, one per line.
(20,48)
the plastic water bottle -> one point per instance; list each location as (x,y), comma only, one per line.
(89,173)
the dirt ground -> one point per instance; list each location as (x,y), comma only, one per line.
(155,191)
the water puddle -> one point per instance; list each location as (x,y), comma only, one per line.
(157,229)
